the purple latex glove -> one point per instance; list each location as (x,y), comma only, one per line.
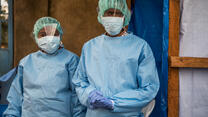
(104,103)
(97,100)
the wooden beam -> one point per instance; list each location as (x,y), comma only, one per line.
(188,62)
(173,73)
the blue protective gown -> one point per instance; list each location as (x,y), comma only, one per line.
(123,69)
(43,87)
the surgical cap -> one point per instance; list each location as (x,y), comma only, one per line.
(46,21)
(121,5)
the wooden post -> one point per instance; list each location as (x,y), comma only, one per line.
(173,75)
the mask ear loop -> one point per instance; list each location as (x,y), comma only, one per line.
(61,44)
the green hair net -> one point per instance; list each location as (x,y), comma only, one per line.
(46,21)
(121,5)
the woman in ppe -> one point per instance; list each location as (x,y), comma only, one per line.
(43,86)
(116,75)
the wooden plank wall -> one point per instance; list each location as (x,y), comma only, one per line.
(26,12)
(78,19)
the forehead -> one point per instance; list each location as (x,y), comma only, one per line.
(48,28)
(113,10)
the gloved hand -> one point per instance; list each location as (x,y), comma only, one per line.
(104,103)
(97,100)
(93,96)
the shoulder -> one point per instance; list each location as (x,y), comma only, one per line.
(27,58)
(71,58)
(145,48)
(93,41)
(69,54)
(138,39)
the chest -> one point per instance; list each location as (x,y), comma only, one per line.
(45,73)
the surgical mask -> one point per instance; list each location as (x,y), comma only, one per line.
(113,25)
(49,44)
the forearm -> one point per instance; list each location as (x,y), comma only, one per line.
(134,100)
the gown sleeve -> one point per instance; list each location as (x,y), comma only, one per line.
(148,85)
(15,95)
(78,110)
(80,80)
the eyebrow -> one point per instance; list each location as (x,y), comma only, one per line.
(42,32)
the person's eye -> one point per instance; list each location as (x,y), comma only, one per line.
(56,33)
(111,13)
(42,34)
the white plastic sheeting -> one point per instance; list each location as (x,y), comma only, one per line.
(194,43)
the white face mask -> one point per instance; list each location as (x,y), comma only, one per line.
(49,44)
(113,25)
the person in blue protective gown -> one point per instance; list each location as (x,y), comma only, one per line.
(116,75)
(42,86)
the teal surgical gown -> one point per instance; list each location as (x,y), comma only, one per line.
(123,69)
(43,87)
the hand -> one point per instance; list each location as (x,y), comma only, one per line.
(93,96)
(97,100)
(104,103)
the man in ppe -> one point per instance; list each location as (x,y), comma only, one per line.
(116,75)
(42,86)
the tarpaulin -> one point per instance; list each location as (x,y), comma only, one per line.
(150,21)
(2,109)
(193,43)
